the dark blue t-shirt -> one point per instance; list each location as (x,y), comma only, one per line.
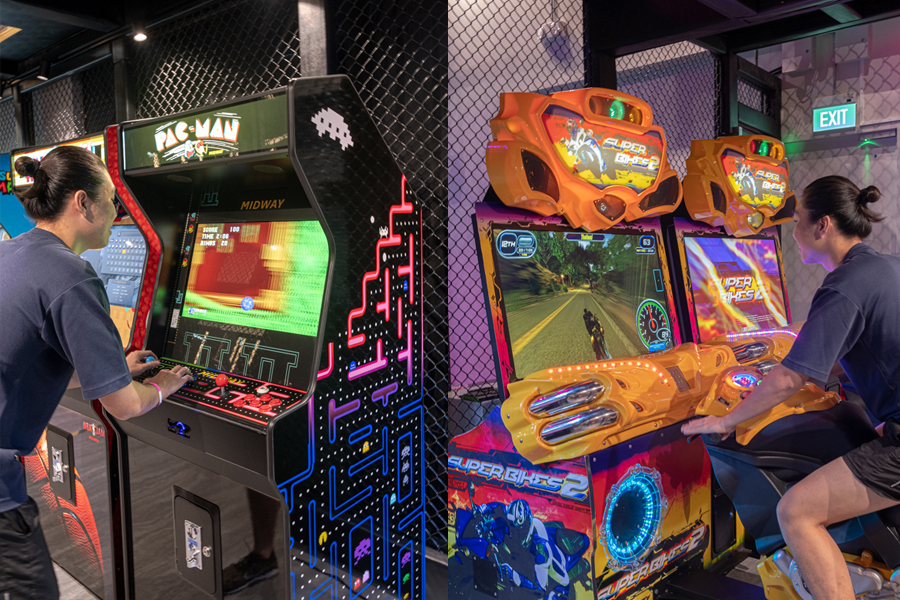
(54,318)
(855,318)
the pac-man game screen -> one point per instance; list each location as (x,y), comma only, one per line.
(736,284)
(268,276)
(572,297)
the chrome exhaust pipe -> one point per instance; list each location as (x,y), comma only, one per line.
(567,398)
(747,352)
(578,425)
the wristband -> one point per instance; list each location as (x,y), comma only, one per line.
(158,391)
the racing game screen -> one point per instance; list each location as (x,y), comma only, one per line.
(572,297)
(254,293)
(736,285)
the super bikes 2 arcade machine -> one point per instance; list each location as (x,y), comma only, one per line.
(733,281)
(580,485)
(73,473)
(283,267)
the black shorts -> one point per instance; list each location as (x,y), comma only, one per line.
(26,572)
(877,463)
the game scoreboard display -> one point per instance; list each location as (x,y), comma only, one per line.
(739,183)
(559,296)
(94,143)
(263,277)
(592,156)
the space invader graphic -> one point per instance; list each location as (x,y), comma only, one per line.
(405,452)
(330,122)
(362,550)
(405,559)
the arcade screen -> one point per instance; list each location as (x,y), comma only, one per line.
(254,292)
(95,144)
(572,297)
(736,284)
(120,266)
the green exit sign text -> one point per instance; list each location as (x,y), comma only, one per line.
(834,117)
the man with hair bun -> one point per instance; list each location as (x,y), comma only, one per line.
(57,333)
(853,323)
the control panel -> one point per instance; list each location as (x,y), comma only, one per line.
(250,399)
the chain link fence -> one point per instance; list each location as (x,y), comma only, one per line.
(681,83)
(74,105)
(7,125)
(225,51)
(396,55)
(494,47)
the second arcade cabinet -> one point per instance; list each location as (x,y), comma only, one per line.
(284,267)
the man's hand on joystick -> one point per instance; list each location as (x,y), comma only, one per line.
(172,380)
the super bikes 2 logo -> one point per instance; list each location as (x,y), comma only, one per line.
(570,486)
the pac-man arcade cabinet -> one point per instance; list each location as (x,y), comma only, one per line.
(284,262)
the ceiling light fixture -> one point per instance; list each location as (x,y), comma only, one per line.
(44,71)
(138,32)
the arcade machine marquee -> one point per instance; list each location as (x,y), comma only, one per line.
(284,268)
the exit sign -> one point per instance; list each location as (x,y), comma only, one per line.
(834,117)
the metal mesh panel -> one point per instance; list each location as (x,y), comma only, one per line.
(395,54)
(750,95)
(226,51)
(681,83)
(758,99)
(7,125)
(72,106)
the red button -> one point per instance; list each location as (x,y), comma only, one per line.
(275,402)
(249,398)
(239,403)
(265,398)
(255,402)
(221,380)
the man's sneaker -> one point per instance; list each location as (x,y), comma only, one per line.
(251,569)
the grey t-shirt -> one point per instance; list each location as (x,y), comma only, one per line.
(855,318)
(54,318)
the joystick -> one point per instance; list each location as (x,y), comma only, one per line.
(222,382)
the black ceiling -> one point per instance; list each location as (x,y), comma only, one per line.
(57,30)
(623,27)
(53,30)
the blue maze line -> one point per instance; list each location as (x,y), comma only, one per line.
(360,434)
(386,537)
(311,456)
(313,546)
(335,510)
(293,586)
(412,571)
(381,455)
(423,569)
(400,496)
(421,506)
(370,521)
(403,411)
(329,584)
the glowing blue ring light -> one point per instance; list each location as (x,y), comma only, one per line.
(634,512)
